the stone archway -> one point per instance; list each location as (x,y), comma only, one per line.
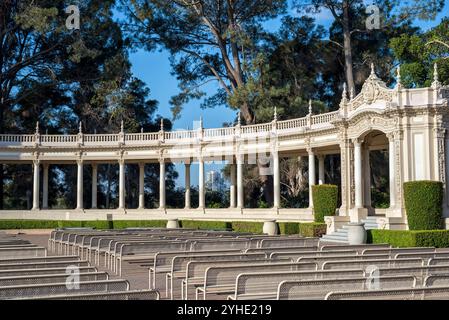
(375,172)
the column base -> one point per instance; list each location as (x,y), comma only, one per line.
(357,214)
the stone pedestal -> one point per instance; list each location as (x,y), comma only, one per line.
(173,224)
(356,233)
(270,228)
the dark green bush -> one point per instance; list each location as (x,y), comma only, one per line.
(288,228)
(410,238)
(245,226)
(122,224)
(206,225)
(312,229)
(325,199)
(423,204)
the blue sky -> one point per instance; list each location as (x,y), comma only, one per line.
(154,69)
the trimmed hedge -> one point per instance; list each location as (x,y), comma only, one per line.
(244,226)
(423,204)
(48,224)
(312,229)
(288,228)
(325,200)
(410,238)
(206,225)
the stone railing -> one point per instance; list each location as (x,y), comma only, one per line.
(284,127)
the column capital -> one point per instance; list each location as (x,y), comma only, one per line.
(36,162)
(94,165)
(121,161)
(141,165)
(357,141)
(79,161)
(310,151)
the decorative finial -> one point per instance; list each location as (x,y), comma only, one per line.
(398,76)
(275,113)
(373,71)
(351,94)
(37,127)
(239,118)
(436,83)
(122,127)
(80,127)
(344,96)
(141,129)
(162,124)
(201,122)
(310,106)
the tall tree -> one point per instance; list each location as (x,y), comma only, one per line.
(350,16)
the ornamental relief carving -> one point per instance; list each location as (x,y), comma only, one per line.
(369,123)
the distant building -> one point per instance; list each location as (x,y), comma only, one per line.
(215,181)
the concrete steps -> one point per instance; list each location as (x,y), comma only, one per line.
(341,235)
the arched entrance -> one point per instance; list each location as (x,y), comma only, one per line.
(375,172)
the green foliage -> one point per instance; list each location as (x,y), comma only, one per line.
(246,226)
(325,200)
(205,225)
(122,224)
(288,228)
(423,204)
(48,224)
(312,229)
(413,238)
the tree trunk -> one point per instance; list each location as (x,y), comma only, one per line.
(348,48)
(108,190)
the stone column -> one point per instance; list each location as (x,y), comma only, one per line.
(161,184)
(240,198)
(187,184)
(141,185)
(80,186)
(321,176)
(358,173)
(276,181)
(35,185)
(121,188)
(312,179)
(94,185)
(232,189)
(367,179)
(45,187)
(202,191)
(392,171)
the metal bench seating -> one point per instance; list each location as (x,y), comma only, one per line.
(318,289)
(39,259)
(359,248)
(62,288)
(37,265)
(162,261)
(326,259)
(419,272)
(283,249)
(42,271)
(145,249)
(285,242)
(438,261)
(120,295)
(221,279)
(433,293)
(22,252)
(183,265)
(441,280)
(379,263)
(394,251)
(50,278)
(300,254)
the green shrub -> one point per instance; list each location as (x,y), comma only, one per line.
(410,238)
(206,225)
(245,226)
(312,229)
(325,199)
(423,204)
(122,224)
(288,228)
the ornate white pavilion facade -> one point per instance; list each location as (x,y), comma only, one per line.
(410,123)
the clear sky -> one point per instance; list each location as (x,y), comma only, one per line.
(154,69)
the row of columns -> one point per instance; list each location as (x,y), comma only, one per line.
(236,185)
